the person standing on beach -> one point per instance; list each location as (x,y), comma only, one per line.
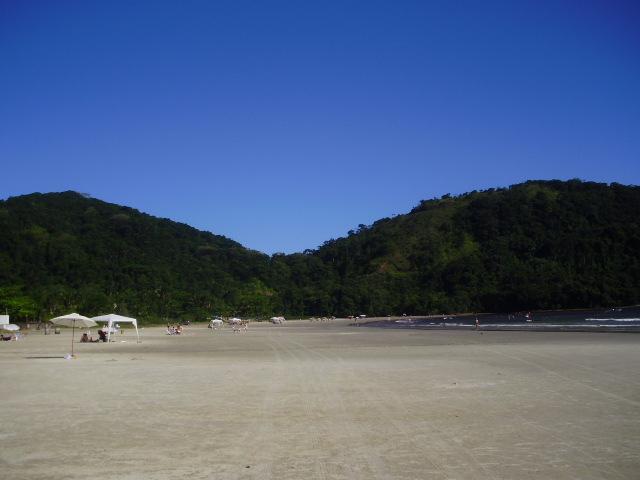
(477,323)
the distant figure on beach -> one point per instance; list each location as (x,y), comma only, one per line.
(477,323)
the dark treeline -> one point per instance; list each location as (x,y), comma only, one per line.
(536,245)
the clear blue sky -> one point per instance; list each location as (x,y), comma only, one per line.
(284,124)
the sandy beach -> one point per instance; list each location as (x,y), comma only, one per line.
(311,400)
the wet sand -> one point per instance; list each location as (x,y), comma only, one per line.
(321,401)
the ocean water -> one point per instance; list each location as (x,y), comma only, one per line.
(610,319)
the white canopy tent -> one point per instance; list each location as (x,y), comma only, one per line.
(112,319)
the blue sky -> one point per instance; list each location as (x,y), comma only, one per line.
(284,124)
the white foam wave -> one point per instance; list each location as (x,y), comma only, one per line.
(612,319)
(545,325)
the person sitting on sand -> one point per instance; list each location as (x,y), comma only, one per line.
(103,335)
(87,339)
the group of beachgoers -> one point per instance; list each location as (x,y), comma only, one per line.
(86,338)
(174,329)
(527,316)
(237,326)
(10,337)
(103,334)
(241,326)
(323,319)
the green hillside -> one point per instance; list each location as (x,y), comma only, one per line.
(541,244)
(62,251)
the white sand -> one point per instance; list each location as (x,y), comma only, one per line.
(322,401)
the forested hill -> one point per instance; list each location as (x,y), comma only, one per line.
(540,244)
(62,251)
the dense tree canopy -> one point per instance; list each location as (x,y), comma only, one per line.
(540,244)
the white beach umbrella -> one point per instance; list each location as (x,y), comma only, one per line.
(73,320)
(215,323)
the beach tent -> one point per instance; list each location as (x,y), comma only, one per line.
(112,319)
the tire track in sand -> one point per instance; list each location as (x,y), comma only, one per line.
(382,412)
(259,426)
(322,397)
(549,432)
